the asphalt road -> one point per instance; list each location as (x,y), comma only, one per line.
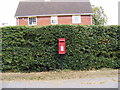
(72,83)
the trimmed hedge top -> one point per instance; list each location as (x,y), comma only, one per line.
(27,48)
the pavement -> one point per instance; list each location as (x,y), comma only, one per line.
(107,82)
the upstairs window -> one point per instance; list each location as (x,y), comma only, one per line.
(54,20)
(76,19)
(32,21)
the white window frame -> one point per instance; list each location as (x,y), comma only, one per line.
(32,23)
(91,20)
(17,21)
(74,19)
(54,18)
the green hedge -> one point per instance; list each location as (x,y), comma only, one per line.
(27,48)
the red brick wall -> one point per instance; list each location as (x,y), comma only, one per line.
(46,20)
(22,21)
(86,20)
(64,19)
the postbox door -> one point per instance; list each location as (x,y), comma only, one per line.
(62,48)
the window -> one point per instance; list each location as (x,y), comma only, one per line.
(76,19)
(54,20)
(32,21)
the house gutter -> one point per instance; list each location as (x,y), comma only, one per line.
(55,15)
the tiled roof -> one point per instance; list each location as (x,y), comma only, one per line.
(52,8)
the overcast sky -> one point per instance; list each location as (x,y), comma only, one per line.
(8,9)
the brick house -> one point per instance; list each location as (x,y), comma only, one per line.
(50,13)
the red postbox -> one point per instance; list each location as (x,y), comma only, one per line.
(61,46)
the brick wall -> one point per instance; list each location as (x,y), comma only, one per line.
(64,19)
(22,21)
(86,20)
(46,20)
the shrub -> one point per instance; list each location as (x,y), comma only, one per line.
(26,48)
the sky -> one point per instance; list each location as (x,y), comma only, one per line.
(8,9)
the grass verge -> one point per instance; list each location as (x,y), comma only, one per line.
(59,75)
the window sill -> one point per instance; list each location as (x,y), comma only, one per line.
(77,23)
(33,25)
(54,24)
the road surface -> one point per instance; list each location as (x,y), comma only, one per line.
(110,82)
